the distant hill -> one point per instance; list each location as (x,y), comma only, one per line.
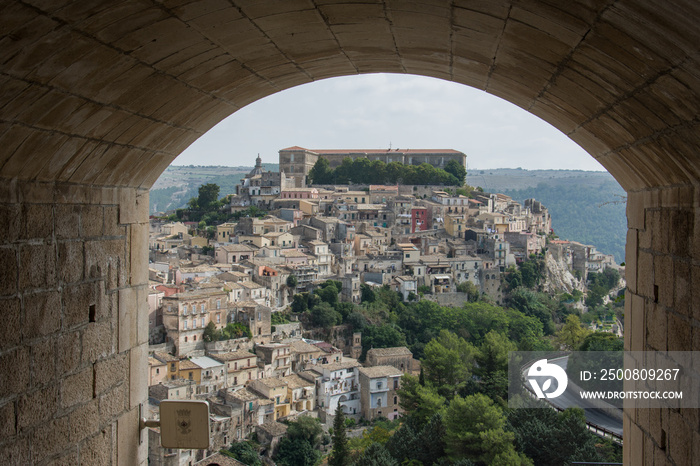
(586,206)
(178,184)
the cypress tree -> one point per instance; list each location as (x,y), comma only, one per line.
(339,454)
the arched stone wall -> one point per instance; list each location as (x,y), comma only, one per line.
(99,97)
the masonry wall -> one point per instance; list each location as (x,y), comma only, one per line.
(73,293)
(663,314)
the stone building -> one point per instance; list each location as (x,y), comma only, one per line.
(185,315)
(297,162)
(241,367)
(378,392)
(399,357)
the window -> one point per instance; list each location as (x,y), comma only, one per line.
(184,309)
(379,402)
(191,376)
(184,325)
(157,371)
(379,385)
(203,324)
(396,400)
(194,323)
(172,367)
(201,308)
(218,318)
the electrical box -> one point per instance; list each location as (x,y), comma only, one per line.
(184,424)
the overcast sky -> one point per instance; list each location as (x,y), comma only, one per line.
(379,111)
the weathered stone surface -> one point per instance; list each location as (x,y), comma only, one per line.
(42,314)
(37,407)
(77,388)
(111,372)
(10,308)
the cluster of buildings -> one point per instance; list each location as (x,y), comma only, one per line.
(417,240)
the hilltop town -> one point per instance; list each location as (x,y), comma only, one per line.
(219,320)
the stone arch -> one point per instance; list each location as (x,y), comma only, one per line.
(98,98)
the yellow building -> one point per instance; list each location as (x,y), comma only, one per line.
(190,371)
(171,363)
(455,225)
(275,390)
(225,232)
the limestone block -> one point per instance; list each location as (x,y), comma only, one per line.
(68,352)
(77,300)
(113,403)
(128,211)
(37,221)
(10,219)
(37,407)
(15,362)
(8,426)
(631,260)
(663,279)
(50,438)
(112,226)
(42,314)
(111,372)
(43,362)
(10,309)
(682,290)
(679,446)
(16,451)
(71,261)
(67,224)
(142,326)
(37,266)
(77,388)
(661,231)
(97,342)
(84,420)
(97,449)
(127,319)
(656,320)
(695,290)
(681,233)
(129,451)
(9,270)
(91,220)
(645,275)
(138,375)
(679,333)
(139,254)
(635,319)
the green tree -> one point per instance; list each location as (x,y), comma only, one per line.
(328,294)
(339,454)
(420,401)
(470,289)
(296,452)
(456,169)
(375,455)
(246,453)
(572,334)
(447,361)
(323,315)
(475,430)
(321,172)
(209,332)
(208,195)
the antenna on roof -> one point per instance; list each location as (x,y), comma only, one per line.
(389,145)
